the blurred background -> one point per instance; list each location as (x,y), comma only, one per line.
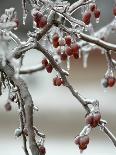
(61,116)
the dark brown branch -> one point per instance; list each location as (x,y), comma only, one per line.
(81,99)
(25,95)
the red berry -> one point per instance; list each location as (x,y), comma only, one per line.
(96,120)
(111,81)
(97,13)
(82,147)
(89,119)
(68,40)
(42,23)
(8,106)
(49,68)
(58,81)
(92,7)
(86,17)
(68,51)
(55,40)
(44,62)
(37,16)
(54,81)
(114,11)
(84,140)
(63,56)
(76,55)
(42,149)
(75,48)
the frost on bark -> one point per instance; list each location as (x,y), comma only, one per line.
(58,42)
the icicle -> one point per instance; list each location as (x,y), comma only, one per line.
(85,58)
(16,64)
(68,63)
(97,20)
(91,29)
(24,18)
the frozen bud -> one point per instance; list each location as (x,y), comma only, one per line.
(18,132)
(8,106)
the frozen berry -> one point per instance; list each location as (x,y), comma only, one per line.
(49,68)
(44,62)
(63,56)
(68,40)
(97,13)
(111,81)
(84,140)
(86,17)
(43,22)
(55,40)
(75,48)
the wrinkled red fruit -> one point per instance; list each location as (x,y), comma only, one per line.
(75,48)
(86,17)
(43,22)
(55,40)
(68,40)
(57,81)
(8,106)
(68,51)
(42,149)
(114,11)
(82,141)
(97,13)
(49,68)
(44,62)
(63,56)
(93,119)
(111,81)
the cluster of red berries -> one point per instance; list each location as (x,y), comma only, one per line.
(109,81)
(57,81)
(42,149)
(82,141)
(40,19)
(47,65)
(93,119)
(88,14)
(70,48)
